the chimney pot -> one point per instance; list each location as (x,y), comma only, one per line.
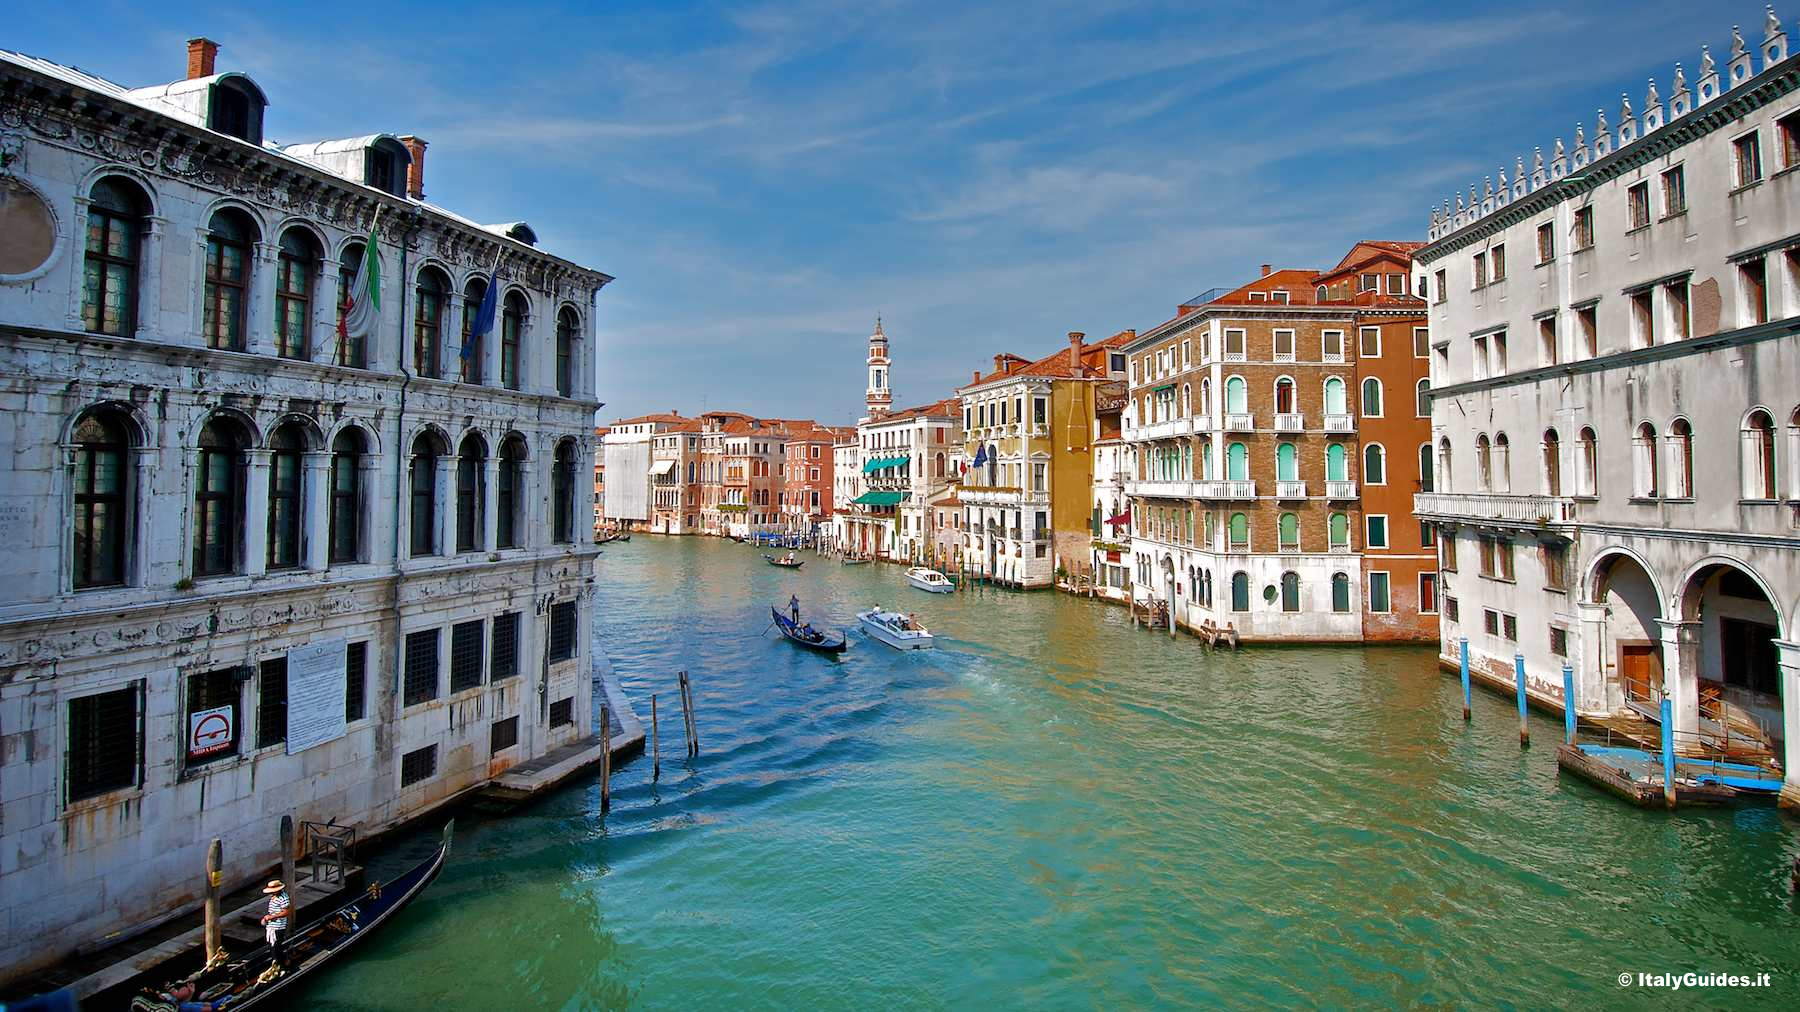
(999,363)
(415,173)
(203,54)
(1075,337)
(977,378)
(1266,269)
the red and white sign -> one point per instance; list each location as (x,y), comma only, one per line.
(210,731)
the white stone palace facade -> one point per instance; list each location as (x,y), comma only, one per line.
(1616,410)
(257,569)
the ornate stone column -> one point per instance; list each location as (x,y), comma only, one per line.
(490,503)
(259,315)
(1788,658)
(1681,680)
(315,494)
(256,512)
(322,329)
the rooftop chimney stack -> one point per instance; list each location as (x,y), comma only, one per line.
(1000,363)
(1075,337)
(415,173)
(203,53)
(1266,269)
(977,378)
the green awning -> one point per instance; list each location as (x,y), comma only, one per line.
(1160,389)
(880,498)
(883,463)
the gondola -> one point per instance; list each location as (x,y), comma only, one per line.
(807,636)
(247,982)
(852,560)
(784,563)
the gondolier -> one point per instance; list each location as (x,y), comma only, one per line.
(794,607)
(275,922)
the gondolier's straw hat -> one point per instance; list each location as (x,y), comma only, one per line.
(274,886)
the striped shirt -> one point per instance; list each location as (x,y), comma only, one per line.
(278,905)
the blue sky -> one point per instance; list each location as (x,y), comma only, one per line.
(764,178)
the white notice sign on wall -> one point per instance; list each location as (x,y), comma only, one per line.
(315,690)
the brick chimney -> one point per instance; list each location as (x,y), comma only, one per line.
(977,378)
(202,54)
(415,173)
(1000,363)
(1266,269)
(1075,337)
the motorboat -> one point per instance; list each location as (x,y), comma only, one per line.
(896,629)
(929,580)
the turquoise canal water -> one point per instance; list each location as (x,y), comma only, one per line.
(1056,810)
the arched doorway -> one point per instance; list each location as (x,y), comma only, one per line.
(1633,643)
(1735,626)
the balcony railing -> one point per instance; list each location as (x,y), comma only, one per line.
(1163,430)
(1290,490)
(1164,489)
(1290,421)
(1227,490)
(1340,423)
(1340,490)
(1240,422)
(1343,549)
(1490,507)
(1290,549)
(1202,423)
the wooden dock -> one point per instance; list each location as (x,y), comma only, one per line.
(529,779)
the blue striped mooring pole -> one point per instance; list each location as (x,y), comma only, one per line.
(1568,705)
(1519,679)
(1463,647)
(1668,749)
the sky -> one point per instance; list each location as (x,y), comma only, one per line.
(764,179)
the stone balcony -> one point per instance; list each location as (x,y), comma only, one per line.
(1229,490)
(1290,490)
(1496,508)
(1176,489)
(1240,422)
(1340,490)
(1340,423)
(1290,421)
(1162,430)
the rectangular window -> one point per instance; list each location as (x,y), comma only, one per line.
(1674,192)
(1637,204)
(1481,357)
(1428,601)
(1490,621)
(216,737)
(356,680)
(1369,342)
(1368,283)
(562,630)
(1509,627)
(1421,342)
(1643,319)
(1443,287)
(1559,641)
(503,734)
(1680,320)
(1427,534)
(417,765)
(1379,601)
(1478,267)
(1497,257)
(421,681)
(562,712)
(1234,345)
(1546,242)
(271,702)
(1284,346)
(1753,282)
(1498,344)
(1587,330)
(1452,611)
(1556,567)
(1396,284)
(1789,129)
(465,655)
(1583,229)
(105,744)
(1447,553)
(1746,159)
(1331,344)
(1547,340)
(1377,531)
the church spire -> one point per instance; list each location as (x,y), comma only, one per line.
(878,397)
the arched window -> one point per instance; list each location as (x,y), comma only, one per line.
(1422,399)
(1371,398)
(1237,396)
(1187,400)
(1290,591)
(1427,482)
(471,493)
(219,498)
(1484,462)
(117,208)
(1552,464)
(1289,529)
(294,271)
(1340,593)
(1240,591)
(1237,532)
(428,323)
(1334,397)
(1759,456)
(427,453)
(1587,447)
(567,328)
(103,500)
(352,350)
(1643,462)
(1337,528)
(510,496)
(937,464)
(1206,398)
(1443,463)
(1374,465)
(1319,294)
(562,492)
(1337,463)
(287,510)
(1681,459)
(1287,463)
(473,352)
(1237,462)
(226,295)
(346,496)
(512,336)
(1284,396)
(1502,462)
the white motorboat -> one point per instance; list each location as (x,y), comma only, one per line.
(929,580)
(902,632)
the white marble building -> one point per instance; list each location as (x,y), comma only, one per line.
(1616,410)
(258,569)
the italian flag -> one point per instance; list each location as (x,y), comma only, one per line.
(362,303)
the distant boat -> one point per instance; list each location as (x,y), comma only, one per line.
(852,560)
(785,563)
(902,632)
(929,580)
(803,634)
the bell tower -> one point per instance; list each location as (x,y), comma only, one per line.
(878,397)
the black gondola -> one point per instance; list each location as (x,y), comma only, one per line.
(785,563)
(246,982)
(807,636)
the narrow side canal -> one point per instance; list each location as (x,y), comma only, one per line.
(1055,809)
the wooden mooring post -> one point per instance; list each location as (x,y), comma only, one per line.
(687,716)
(655,749)
(215,877)
(1519,679)
(1463,651)
(605,759)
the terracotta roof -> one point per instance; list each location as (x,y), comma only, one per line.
(1057,366)
(647,419)
(949,407)
(1368,251)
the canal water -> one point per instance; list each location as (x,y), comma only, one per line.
(1054,809)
